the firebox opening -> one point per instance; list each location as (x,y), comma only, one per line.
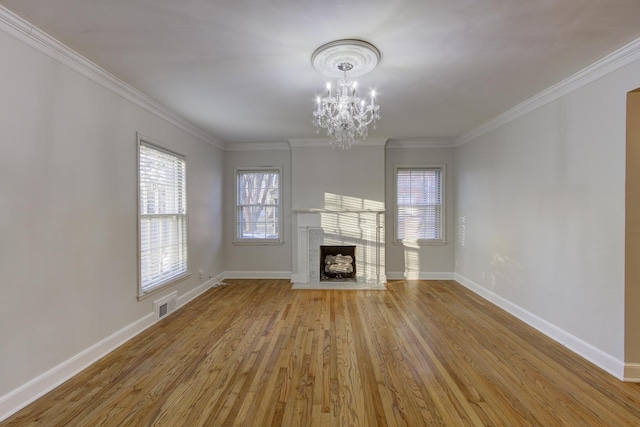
(338,263)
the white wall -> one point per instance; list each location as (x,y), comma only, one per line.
(68,224)
(434,261)
(257,260)
(540,210)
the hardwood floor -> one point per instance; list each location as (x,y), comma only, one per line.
(423,353)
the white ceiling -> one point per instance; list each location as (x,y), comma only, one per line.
(241,69)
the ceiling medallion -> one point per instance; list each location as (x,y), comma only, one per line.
(344,115)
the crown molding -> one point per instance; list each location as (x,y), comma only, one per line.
(324,142)
(420,143)
(610,63)
(30,35)
(257,146)
(308,142)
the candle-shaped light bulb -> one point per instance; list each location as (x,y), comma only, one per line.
(373,96)
(354,88)
(329,88)
(318,99)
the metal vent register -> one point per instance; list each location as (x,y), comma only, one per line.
(165,305)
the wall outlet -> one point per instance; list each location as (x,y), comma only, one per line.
(201,273)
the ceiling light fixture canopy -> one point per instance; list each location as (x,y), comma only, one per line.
(343,114)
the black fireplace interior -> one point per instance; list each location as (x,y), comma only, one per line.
(338,263)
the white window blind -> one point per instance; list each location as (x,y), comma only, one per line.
(163,216)
(419,203)
(258,205)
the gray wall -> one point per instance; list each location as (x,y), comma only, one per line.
(327,178)
(68,226)
(541,207)
(257,260)
(316,176)
(424,261)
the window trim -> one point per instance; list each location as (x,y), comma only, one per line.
(257,242)
(443,217)
(142,294)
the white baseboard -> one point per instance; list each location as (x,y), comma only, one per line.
(575,344)
(17,399)
(39,386)
(256,275)
(420,275)
(196,292)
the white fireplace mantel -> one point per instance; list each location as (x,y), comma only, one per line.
(320,210)
(363,228)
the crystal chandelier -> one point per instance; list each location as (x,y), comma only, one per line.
(344,115)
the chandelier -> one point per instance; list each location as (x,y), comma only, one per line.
(344,115)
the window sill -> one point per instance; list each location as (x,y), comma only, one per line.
(154,290)
(258,242)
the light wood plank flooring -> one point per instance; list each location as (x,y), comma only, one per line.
(423,353)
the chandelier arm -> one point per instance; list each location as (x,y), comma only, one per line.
(343,114)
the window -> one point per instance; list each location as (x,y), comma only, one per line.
(419,203)
(162,194)
(258,205)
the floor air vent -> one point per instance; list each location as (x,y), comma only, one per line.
(165,305)
(163,309)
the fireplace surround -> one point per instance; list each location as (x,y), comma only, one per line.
(361,229)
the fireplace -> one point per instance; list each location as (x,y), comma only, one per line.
(338,263)
(357,233)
